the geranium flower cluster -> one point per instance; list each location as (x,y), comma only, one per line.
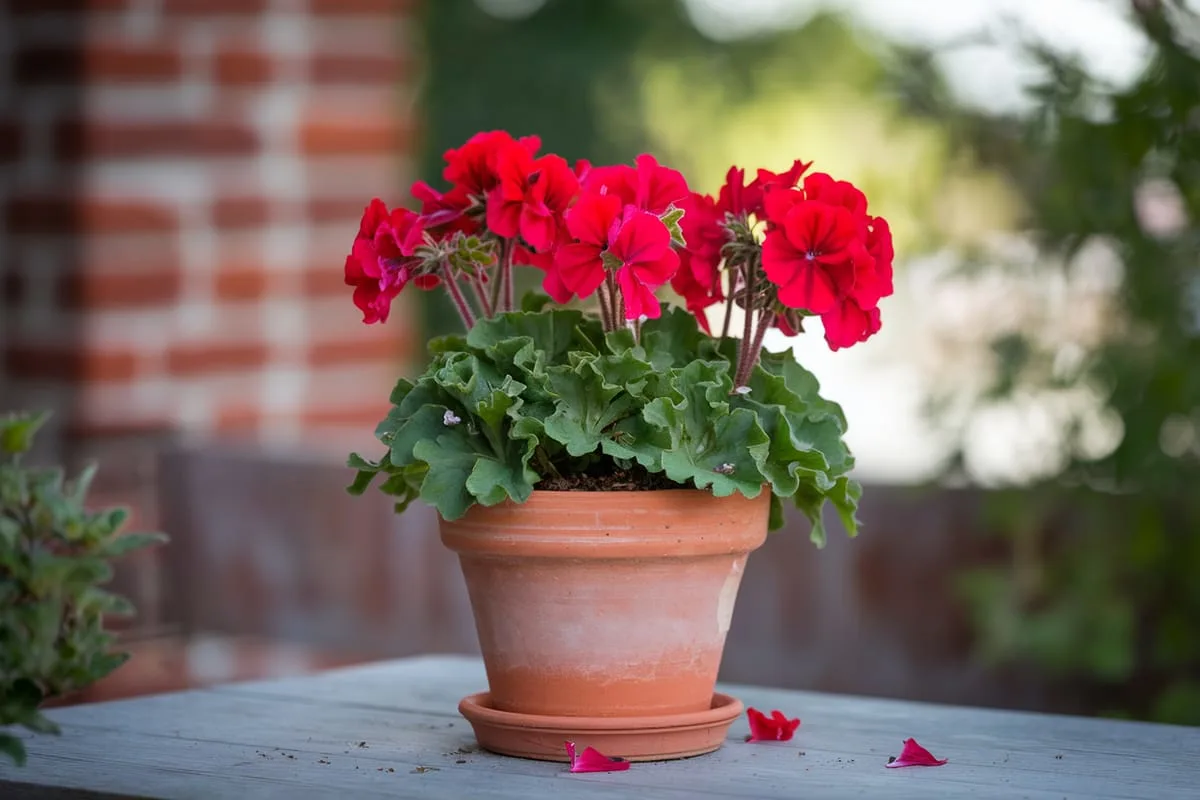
(781,247)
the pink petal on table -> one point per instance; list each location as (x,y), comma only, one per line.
(592,760)
(913,755)
(775,728)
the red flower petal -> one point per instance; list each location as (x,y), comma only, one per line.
(642,238)
(590,219)
(775,728)
(579,268)
(847,324)
(803,283)
(639,298)
(658,186)
(591,760)
(825,189)
(913,755)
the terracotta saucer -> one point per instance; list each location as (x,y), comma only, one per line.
(634,738)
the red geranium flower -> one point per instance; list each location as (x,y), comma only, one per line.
(530,197)
(648,185)
(775,728)
(580,265)
(698,280)
(737,198)
(642,245)
(381,261)
(444,212)
(634,242)
(472,167)
(804,255)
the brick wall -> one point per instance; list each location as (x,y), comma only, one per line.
(179,183)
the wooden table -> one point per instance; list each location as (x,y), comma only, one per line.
(392,730)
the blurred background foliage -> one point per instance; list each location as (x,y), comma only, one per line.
(1075,221)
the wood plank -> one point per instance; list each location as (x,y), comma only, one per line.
(300,738)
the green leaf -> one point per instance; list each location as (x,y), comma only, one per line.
(591,397)
(672,340)
(671,218)
(534,302)
(464,468)
(555,332)
(845,496)
(13,747)
(709,446)
(128,542)
(17,431)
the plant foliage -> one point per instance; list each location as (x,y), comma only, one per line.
(54,558)
(532,395)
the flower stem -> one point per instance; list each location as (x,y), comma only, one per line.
(497,277)
(729,304)
(744,348)
(506,272)
(481,296)
(460,302)
(606,311)
(764,324)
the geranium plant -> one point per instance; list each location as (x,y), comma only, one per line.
(564,393)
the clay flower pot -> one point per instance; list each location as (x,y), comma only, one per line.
(605,604)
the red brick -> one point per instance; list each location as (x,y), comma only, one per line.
(71,362)
(107,289)
(242,283)
(130,62)
(238,418)
(322,135)
(363,348)
(23,7)
(86,139)
(214,7)
(365,417)
(10,141)
(241,212)
(357,69)
(325,281)
(337,7)
(196,359)
(335,209)
(51,215)
(242,67)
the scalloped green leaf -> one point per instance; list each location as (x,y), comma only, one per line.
(591,397)
(672,340)
(727,461)
(555,332)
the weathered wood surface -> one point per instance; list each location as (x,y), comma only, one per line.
(391,730)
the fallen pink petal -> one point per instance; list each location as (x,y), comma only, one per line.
(775,728)
(913,755)
(592,760)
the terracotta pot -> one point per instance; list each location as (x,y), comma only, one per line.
(605,604)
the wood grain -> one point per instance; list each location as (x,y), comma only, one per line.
(391,730)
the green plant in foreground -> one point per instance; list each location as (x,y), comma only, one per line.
(54,557)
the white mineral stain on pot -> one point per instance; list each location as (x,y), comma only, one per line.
(728,596)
